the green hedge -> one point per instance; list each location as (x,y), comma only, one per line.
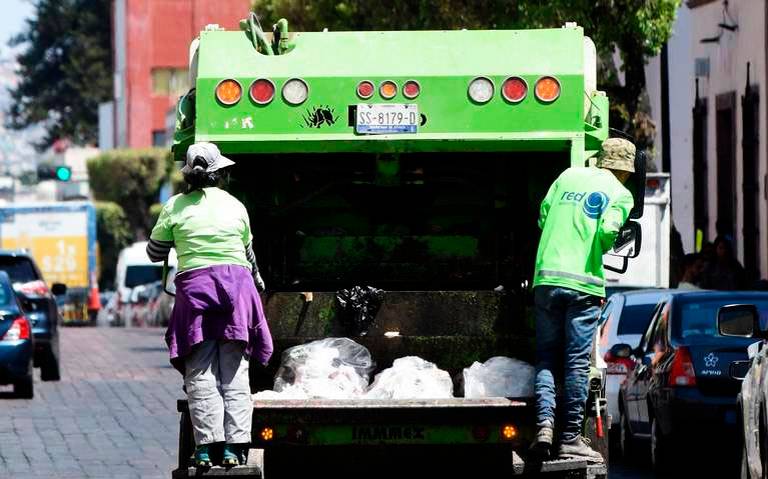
(113,233)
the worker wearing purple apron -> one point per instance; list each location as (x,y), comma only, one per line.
(217,322)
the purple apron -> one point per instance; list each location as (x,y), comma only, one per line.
(217,302)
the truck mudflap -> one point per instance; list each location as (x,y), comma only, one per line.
(474,434)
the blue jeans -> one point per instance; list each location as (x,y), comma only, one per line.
(565,325)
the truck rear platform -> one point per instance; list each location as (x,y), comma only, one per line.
(388,437)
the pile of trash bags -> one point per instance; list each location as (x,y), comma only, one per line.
(339,368)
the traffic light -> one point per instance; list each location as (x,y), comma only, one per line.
(54,172)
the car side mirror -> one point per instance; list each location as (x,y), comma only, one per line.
(621,350)
(59,289)
(739,320)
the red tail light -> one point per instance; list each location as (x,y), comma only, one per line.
(618,365)
(411,89)
(32,288)
(682,373)
(514,89)
(262,91)
(19,329)
(365,89)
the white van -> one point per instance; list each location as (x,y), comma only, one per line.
(134,268)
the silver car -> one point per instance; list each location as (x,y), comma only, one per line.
(623,320)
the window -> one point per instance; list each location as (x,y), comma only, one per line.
(20,270)
(637,313)
(725,131)
(158,138)
(170,81)
(142,274)
(750,118)
(700,197)
(700,318)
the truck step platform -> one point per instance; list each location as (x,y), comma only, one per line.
(565,468)
(243,472)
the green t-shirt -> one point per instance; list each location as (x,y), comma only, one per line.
(580,218)
(208,227)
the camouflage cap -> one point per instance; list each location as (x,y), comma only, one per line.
(617,154)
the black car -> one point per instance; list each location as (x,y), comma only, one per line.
(748,322)
(40,308)
(16,342)
(682,390)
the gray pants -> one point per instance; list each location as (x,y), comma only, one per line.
(219,392)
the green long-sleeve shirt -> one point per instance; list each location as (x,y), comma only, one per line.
(580,218)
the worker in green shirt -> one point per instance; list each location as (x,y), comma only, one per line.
(580,218)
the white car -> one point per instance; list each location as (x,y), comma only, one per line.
(623,320)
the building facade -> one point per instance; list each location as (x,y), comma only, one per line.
(730,151)
(151,53)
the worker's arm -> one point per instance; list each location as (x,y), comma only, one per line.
(161,239)
(613,219)
(546,203)
(249,254)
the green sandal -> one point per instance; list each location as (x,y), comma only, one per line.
(230,457)
(203,457)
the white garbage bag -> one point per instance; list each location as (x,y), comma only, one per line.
(411,378)
(332,368)
(500,376)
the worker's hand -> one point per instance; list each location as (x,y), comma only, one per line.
(260,286)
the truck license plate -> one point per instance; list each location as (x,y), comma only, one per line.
(379,118)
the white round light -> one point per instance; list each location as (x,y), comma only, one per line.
(481,90)
(295,91)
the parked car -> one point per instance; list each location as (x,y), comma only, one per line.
(746,321)
(683,387)
(623,320)
(39,306)
(16,342)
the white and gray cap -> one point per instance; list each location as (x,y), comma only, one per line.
(210,154)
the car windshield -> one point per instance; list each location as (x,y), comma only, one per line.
(19,269)
(142,274)
(700,318)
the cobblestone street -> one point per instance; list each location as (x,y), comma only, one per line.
(113,415)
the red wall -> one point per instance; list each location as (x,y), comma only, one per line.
(158,35)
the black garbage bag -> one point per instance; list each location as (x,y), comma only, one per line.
(358,307)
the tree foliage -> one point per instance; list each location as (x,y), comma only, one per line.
(64,69)
(635,28)
(114,233)
(131,178)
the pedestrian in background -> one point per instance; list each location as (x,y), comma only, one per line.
(724,272)
(580,219)
(692,271)
(217,322)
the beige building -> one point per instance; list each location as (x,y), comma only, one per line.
(729,46)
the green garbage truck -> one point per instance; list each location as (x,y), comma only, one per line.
(413,162)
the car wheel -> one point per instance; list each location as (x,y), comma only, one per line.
(49,371)
(24,388)
(659,449)
(626,441)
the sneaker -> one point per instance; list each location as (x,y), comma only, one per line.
(230,456)
(203,457)
(542,444)
(579,448)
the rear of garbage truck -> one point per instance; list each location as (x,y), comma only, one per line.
(413,162)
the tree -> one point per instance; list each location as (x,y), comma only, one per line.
(114,234)
(132,179)
(637,29)
(64,71)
